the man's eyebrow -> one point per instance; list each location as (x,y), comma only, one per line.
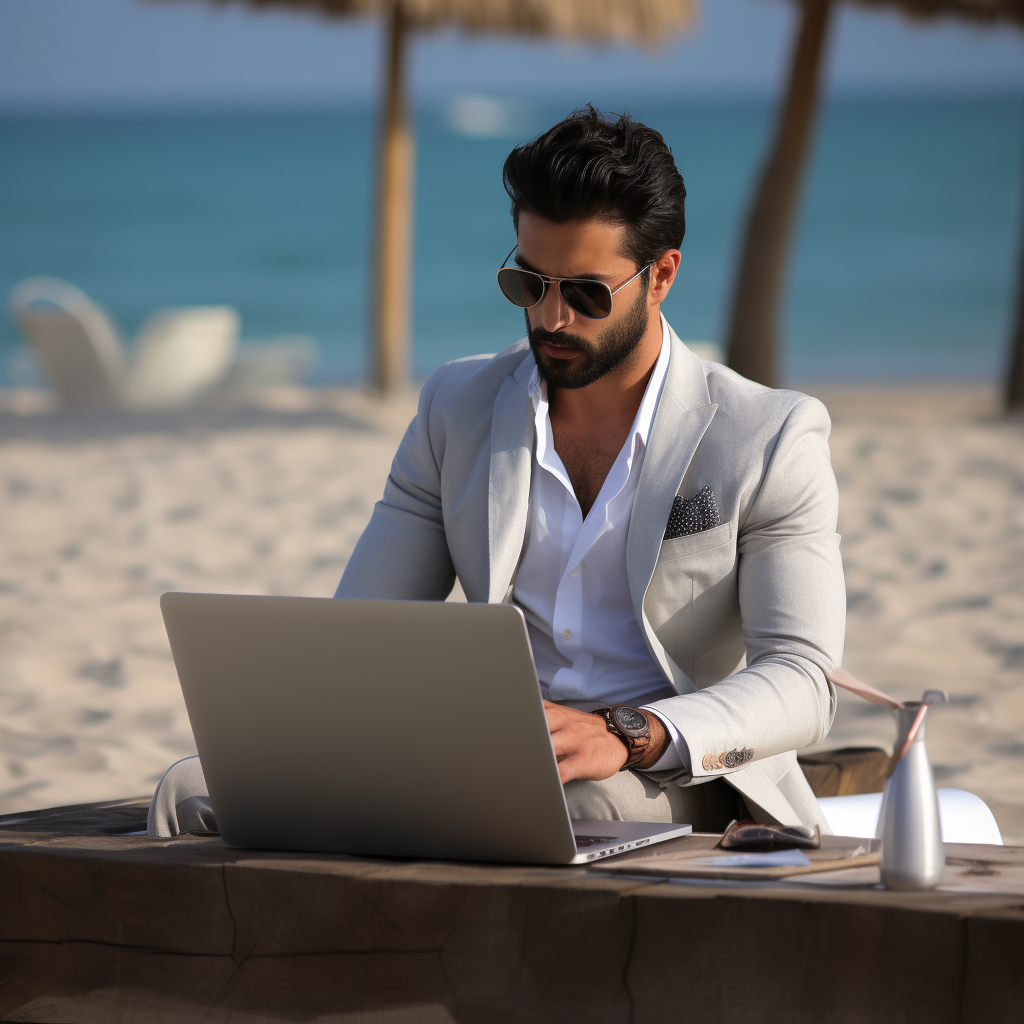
(526,265)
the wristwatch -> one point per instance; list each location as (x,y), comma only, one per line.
(632,727)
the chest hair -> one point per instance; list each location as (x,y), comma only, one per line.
(587,459)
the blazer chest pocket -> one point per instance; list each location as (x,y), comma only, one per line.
(691,602)
(694,543)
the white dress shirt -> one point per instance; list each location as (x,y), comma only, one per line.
(572,584)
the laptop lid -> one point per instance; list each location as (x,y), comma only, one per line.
(401,728)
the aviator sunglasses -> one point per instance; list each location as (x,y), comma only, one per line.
(525,288)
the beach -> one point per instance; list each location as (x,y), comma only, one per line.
(102,514)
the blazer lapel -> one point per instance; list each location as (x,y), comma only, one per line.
(684,414)
(508,489)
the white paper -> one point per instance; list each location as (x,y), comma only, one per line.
(774,859)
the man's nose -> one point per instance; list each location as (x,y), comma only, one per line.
(552,313)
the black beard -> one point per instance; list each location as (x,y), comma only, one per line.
(593,361)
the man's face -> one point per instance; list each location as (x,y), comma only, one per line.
(571,350)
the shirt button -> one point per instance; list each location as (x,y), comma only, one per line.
(567,633)
(575,572)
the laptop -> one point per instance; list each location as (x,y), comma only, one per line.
(384,728)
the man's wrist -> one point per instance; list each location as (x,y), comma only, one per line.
(677,751)
(645,745)
(660,741)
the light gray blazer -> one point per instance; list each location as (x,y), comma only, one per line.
(744,618)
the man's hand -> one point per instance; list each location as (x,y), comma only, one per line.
(584,747)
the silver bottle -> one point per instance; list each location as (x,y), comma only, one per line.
(908,823)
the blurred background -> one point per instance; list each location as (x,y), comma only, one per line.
(179,174)
(184,153)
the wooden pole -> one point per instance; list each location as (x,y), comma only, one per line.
(1015,379)
(754,327)
(393,242)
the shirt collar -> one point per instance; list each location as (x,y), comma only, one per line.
(538,390)
(649,403)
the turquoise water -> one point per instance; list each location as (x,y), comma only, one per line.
(904,261)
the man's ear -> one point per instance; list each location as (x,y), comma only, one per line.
(663,274)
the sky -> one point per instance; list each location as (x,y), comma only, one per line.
(107,54)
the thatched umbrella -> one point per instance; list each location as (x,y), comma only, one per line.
(753,331)
(600,21)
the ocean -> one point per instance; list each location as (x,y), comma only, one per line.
(904,263)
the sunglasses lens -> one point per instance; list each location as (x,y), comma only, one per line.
(591,299)
(520,287)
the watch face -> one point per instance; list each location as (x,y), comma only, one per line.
(630,720)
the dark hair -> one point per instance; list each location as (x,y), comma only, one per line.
(590,166)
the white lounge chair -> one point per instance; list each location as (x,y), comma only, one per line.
(964,817)
(280,359)
(182,354)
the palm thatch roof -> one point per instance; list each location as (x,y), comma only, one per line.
(972,10)
(643,21)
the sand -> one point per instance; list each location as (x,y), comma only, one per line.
(103,514)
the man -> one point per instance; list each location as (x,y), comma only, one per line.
(666,526)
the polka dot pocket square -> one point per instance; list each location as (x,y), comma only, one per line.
(692,515)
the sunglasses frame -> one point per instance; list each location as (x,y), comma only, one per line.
(545,281)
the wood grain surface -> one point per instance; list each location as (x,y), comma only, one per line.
(100,926)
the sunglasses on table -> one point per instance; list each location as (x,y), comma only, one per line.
(589,298)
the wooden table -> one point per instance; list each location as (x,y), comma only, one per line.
(97,925)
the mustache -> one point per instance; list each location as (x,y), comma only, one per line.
(561,340)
